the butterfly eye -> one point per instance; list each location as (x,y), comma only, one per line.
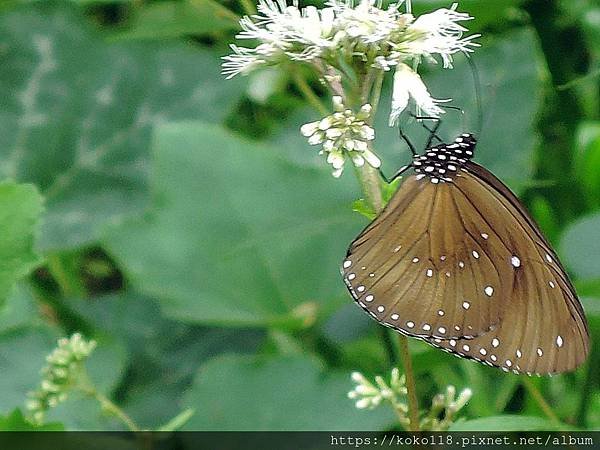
(456,260)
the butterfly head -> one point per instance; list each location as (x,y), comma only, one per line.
(442,162)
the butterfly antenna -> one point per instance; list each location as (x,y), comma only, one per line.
(407,140)
(477,83)
(432,131)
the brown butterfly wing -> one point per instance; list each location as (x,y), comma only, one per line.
(543,329)
(463,266)
(423,268)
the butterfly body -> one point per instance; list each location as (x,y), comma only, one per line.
(456,260)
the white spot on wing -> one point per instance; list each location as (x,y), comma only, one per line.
(489,291)
(559,341)
(515,261)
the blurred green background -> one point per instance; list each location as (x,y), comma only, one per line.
(189,228)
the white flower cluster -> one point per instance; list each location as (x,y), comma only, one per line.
(444,407)
(368,395)
(344,133)
(58,375)
(362,31)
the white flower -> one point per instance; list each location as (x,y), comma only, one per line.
(343,134)
(407,85)
(440,33)
(365,21)
(284,32)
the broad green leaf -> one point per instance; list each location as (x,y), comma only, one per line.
(163,355)
(168,19)
(580,247)
(292,394)
(510,98)
(507,423)
(239,235)
(19,310)
(22,355)
(77,113)
(20,210)
(15,421)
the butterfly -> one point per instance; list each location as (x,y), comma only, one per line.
(456,260)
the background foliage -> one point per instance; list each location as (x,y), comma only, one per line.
(190,230)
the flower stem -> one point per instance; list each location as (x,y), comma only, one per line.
(370,183)
(377,92)
(86,386)
(309,94)
(112,408)
(539,399)
(413,403)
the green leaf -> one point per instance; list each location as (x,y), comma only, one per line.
(239,235)
(170,19)
(20,209)
(362,207)
(15,421)
(19,310)
(587,160)
(22,355)
(580,247)
(507,423)
(77,114)
(288,393)
(163,355)
(510,97)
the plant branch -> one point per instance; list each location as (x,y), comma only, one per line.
(309,94)
(413,403)
(377,92)
(539,399)
(88,388)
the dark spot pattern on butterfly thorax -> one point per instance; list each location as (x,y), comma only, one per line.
(441,163)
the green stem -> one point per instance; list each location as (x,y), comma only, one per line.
(88,388)
(370,183)
(377,92)
(539,399)
(413,403)
(309,94)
